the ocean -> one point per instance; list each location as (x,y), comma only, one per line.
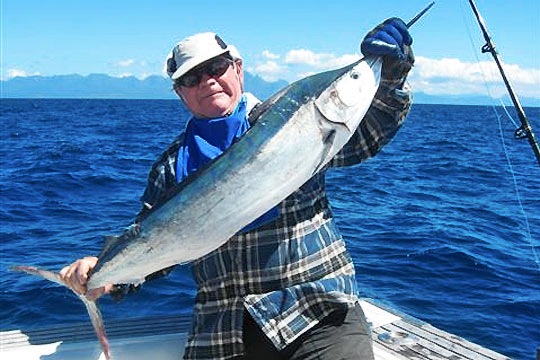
(439,225)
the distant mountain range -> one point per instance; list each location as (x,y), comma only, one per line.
(101,86)
(421,98)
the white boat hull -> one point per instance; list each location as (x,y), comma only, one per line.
(395,336)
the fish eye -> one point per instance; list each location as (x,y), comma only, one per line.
(355,75)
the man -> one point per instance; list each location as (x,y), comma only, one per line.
(284,286)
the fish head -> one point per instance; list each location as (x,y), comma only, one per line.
(346,100)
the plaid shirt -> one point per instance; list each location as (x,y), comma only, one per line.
(292,272)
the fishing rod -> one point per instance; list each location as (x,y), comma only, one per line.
(525,130)
(420,14)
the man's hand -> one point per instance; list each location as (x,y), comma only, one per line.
(387,39)
(76,276)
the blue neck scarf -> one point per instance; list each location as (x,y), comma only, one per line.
(206,139)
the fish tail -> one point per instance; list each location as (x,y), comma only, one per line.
(97,323)
(91,305)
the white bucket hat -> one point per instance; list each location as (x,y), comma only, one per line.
(195,50)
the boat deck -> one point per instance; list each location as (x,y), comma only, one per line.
(395,337)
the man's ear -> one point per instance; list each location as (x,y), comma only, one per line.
(240,72)
(179,93)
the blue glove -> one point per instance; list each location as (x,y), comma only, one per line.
(387,39)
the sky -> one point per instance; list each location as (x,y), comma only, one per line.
(278,39)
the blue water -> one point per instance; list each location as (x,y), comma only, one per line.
(433,222)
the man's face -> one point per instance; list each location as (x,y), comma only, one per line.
(214,96)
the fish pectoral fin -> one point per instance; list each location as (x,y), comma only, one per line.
(328,142)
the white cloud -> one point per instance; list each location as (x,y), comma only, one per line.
(269,70)
(270,56)
(123,75)
(297,64)
(11,73)
(318,60)
(126,63)
(140,76)
(303,56)
(269,67)
(457,77)
(306,74)
(446,76)
(344,60)
(144,76)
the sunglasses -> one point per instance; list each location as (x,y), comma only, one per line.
(215,67)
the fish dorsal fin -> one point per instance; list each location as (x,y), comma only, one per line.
(259,109)
(111,241)
(114,241)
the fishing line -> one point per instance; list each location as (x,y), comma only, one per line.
(507,155)
(518,195)
(508,114)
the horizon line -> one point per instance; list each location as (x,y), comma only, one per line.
(173,99)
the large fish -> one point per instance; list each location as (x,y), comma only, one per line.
(297,131)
